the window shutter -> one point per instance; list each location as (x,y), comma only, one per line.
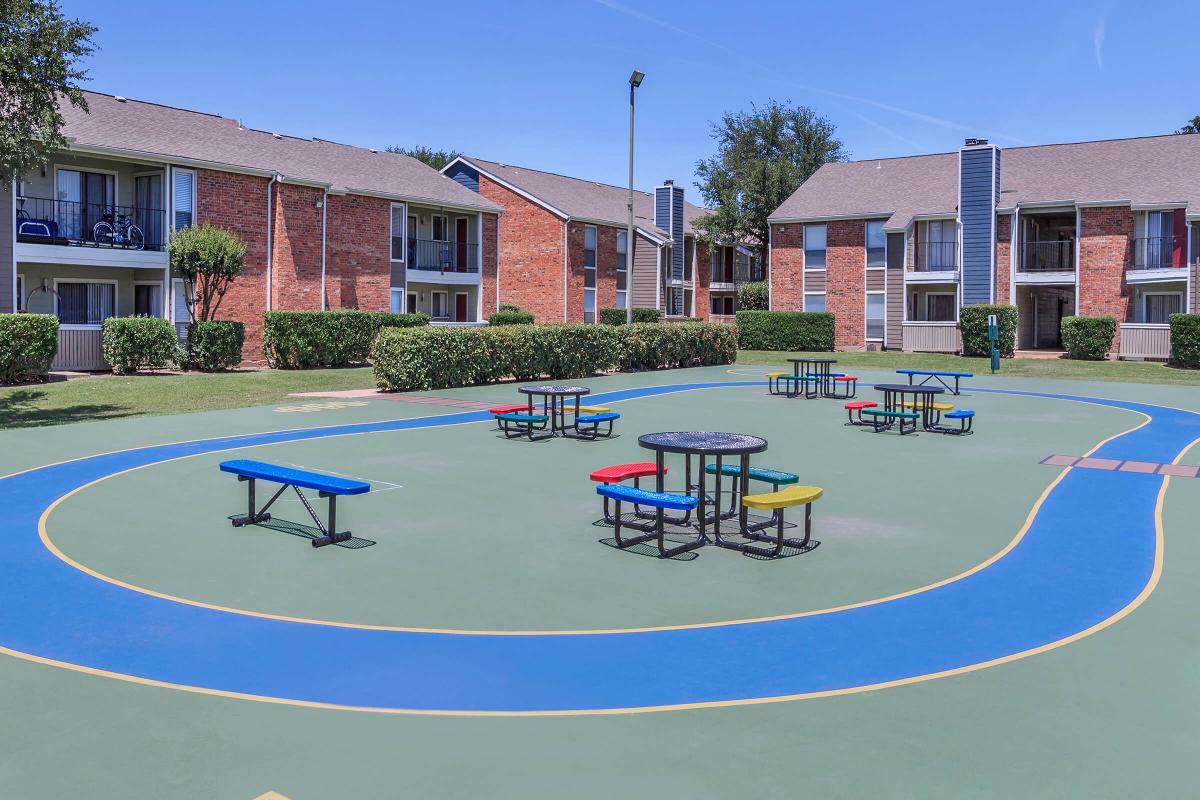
(184,194)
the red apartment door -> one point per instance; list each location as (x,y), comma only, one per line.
(460,236)
(460,307)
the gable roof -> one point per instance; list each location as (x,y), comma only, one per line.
(583,199)
(1143,171)
(147,129)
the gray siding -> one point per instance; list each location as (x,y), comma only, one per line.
(875,280)
(895,291)
(979,191)
(7,212)
(814,281)
(644,281)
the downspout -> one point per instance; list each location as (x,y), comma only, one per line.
(770,266)
(12,214)
(270,247)
(324,213)
(566,256)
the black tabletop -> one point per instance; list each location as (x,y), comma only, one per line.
(904,387)
(814,360)
(703,443)
(554,389)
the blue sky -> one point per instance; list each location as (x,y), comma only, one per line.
(543,84)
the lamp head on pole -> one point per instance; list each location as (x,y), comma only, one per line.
(635,80)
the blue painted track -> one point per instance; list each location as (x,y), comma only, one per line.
(1089,553)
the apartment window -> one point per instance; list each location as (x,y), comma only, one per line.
(82,303)
(622,268)
(399,230)
(875,315)
(396,301)
(589,273)
(876,244)
(814,302)
(938,246)
(147,299)
(179,313)
(441,228)
(412,303)
(183,192)
(20,298)
(689,257)
(1158,308)
(814,246)
(437,305)
(939,307)
(722,305)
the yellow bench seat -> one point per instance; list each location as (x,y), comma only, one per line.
(934,406)
(784,498)
(777,374)
(588,409)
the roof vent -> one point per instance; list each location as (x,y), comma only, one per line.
(974,142)
(119,98)
(276,135)
(372,149)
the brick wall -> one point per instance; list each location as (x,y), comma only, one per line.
(491,228)
(530,255)
(1104,255)
(575,272)
(845,290)
(786,269)
(702,277)
(358,267)
(1003,257)
(238,203)
(606,268)
(296,248)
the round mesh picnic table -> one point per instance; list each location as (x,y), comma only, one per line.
(703,443)
(555,390)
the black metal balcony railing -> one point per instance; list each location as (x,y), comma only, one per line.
(432,256)
(40,220)
(1156,252)
(936,257)
(1057,256)
(741,274)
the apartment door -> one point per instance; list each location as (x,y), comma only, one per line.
(83,198)
(460,307)
(437,305)
(460,237)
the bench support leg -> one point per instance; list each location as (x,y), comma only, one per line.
(331,534)
(252,515)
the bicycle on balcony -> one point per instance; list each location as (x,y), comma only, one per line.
(118,230)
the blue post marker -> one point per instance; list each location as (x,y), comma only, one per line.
(994,338)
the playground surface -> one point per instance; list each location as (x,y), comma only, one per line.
(985,616)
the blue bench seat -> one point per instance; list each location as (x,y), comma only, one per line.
(588,426)
(329,486)
(644,497)
(594,419)
(530,418)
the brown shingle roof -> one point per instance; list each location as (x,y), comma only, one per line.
(585,199)
(174,133)
(1144,171)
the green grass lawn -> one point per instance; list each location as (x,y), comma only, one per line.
(110,396)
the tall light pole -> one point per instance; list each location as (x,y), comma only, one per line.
(635,80)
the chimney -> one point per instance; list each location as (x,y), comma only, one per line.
(978,196)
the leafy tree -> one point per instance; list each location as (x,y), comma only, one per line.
(207,258)
(434,158)
(762,157)
(1192,126)
(40,50)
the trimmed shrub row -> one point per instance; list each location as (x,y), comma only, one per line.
(1088,338)
(28,344)
(1185,340)
(130,344)
(616,316)
(510,315)
(754,296)
(439,358)
(306,339)
(973,325)
(215,345)
(785,330)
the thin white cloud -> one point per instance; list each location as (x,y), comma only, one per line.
(1098,35)
(642,16)
(885,129)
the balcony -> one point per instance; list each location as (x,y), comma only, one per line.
(1158,252)
(443,262)
(112,234)
(933,262)
(1056,256)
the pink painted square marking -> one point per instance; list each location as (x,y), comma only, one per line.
(1143,467)
(1179,470)
(1061,461)
(1099,463)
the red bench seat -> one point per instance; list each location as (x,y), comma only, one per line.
(623,472)
(859,405)
(846,378)
(509,409)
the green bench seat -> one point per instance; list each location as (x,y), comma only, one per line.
(772,476)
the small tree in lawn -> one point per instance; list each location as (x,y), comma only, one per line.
(207,258)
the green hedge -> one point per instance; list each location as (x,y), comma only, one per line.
(1088,338)
(617,316)
(972,324)
(511,315)
(215,345)
(130,344)
(439,358)
(307,339)
(754,296)
(28,344)
(1185,340)
(785,330)
(682,344)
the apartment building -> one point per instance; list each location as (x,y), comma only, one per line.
(326,225)
(564,253)
(895,247)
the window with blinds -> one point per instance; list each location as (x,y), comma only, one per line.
(183,193)
(589,273)
(86,303)
(399,228)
